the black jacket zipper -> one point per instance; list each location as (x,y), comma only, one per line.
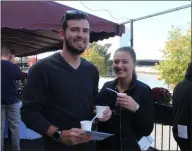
(120,126)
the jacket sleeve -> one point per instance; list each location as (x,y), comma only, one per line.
(104,98)
(190,125)
(34,98)
(107,98)
(96,80)
(18,73)
(143,118)
(188,99)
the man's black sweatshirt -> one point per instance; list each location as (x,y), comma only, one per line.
(57,94)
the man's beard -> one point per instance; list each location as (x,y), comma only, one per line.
(72,49)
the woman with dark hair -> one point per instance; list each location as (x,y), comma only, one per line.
(182,105)
(132,108)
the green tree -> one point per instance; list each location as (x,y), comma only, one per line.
(176,56)
(110,67)
(103,51)
(95,58)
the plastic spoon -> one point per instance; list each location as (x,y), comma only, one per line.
(98,114)
(118,94)
(113,91)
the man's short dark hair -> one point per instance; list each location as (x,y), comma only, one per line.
(72,15)
(5,50)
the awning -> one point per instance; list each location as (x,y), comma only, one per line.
(31,27)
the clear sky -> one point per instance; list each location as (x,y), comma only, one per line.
(150,34)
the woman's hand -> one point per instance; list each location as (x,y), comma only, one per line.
(106,114)
(127,102)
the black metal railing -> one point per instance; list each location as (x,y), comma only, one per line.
(162,132)
(163,138)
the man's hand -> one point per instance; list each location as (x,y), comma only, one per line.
(74,136)
(70,137)
(106,115)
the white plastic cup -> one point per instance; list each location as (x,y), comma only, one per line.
(86,125)
(120,94)
(99,109)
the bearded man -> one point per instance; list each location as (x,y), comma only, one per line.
(60,90)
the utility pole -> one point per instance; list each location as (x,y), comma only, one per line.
(36,58)
(131,32)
